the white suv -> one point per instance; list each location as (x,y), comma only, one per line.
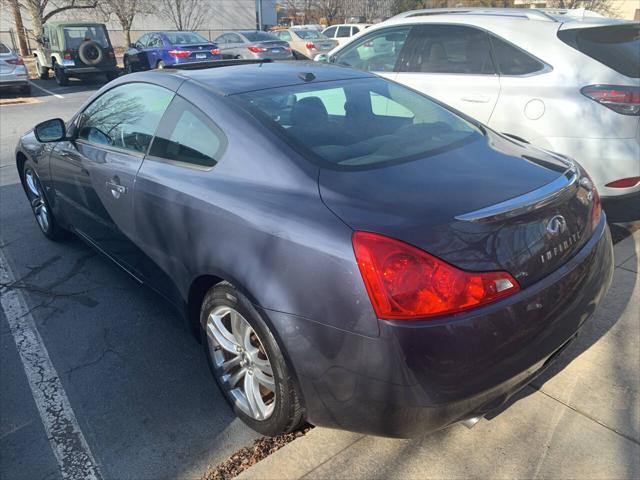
(566,84)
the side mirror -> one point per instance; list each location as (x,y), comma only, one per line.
(321,57)
(53,130)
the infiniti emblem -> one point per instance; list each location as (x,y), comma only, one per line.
(556,225)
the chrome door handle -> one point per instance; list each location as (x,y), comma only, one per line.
(116,188)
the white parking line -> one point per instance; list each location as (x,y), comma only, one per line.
(67,441)
(45,90)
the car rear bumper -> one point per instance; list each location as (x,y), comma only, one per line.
(91,70)
(420,376)
(14,82)
(623,208)
(190,59)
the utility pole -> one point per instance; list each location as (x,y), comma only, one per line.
(17,19)
(259,14)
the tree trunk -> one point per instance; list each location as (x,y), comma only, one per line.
(17,18)
(127,37)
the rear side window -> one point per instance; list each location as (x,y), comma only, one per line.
(447,49)
(187,135)
(359,123)
(125,117)
(513,61)
(344,32)
(4,49)
(616,46)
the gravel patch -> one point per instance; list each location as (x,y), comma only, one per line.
(248,456)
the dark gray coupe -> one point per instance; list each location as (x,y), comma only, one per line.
(350,252)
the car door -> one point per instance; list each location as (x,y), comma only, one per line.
(453,64)
(154,50)
(94,175)
(136,56)
(377,52)
(187,145)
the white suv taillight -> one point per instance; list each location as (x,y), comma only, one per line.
(619,98)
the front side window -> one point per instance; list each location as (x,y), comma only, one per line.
(376,52)
(359,123)
(513,61)
(75,36)
(330,32)
(142,41)
(258,36)
(125,117)
(447,49)
(187,135)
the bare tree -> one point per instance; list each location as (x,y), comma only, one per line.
(330,10)
(600,6)
(40,12)
(124,11)
(185,14)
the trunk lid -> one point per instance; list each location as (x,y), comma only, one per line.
(492,204)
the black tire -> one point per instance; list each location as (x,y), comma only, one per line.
(161,65)
(26,90)
(62,78)
(287,413)
(128,68)
(38,201)
(43,72)
(90,52)
(112,76)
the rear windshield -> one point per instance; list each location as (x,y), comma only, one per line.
(185,38)
(616,46)
(75,36)
(359,123)
(258,36)
(4,49)
(309,34)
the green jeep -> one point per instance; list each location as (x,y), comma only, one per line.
(75,49)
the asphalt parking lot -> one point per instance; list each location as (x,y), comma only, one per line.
(135,379)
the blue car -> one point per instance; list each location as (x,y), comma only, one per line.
(164,49)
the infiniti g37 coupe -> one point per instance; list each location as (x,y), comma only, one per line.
(349,251)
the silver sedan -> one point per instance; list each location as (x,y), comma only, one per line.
(253,44)
(13,72)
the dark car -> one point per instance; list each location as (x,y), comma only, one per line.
(350,251)
(165,49)
(253,45)
(75,49)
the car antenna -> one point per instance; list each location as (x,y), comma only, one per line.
(306,76)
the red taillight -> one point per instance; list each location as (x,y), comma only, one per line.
(257,49)
(624,183)
(310,45)
(404,282)
(67,55)
(15,61)
(622,99)
(215,51)
(179,53)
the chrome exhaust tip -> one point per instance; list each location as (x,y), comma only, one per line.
(470,422)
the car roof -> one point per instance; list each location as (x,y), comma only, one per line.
(234,79)
(69,23)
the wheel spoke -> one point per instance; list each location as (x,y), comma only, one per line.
(219,333)
(229,364)
(264,379)
(252,391)
(236,377)
(238,327)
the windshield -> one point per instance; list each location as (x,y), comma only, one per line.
(617,46)
(75,36)
(185,38)
(309,34)
(359,123)
(258,36)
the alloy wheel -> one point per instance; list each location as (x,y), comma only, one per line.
(38,204)
(241,363)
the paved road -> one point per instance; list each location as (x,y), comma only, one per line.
(134,377)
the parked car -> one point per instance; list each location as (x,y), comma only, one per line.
(305,41)
(253,45)
(13,72)
(564,83)
(350,251)
(166,49)
(75,49)
(343,33)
